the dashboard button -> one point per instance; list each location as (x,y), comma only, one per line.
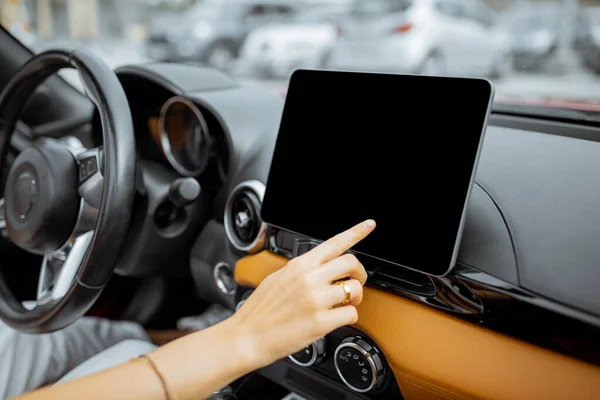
(358,365)
(310,355)
(87,167)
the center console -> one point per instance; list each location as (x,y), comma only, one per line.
(345,364)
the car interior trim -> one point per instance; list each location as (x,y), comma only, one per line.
(545,125)
(258,243)
(445,357)
(476,296)
(180,78)
(164,135)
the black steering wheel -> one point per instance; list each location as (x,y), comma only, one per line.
(63,201)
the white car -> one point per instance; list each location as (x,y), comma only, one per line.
(432,37)
(277,50)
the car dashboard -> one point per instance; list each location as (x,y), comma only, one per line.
(518,316)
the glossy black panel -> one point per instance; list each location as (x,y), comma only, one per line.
(484,300)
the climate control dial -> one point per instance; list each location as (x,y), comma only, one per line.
(359,364)
(310,355)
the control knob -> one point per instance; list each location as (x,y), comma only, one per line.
(184,191)
(359,364)
(310,355)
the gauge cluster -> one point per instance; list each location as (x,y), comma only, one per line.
(184,136)
(189,139)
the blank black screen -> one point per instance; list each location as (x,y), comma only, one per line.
(399,149)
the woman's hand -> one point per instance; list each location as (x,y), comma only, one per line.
(298,304)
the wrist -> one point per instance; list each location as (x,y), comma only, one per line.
(245,344)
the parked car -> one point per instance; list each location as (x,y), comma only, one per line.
(587,38)
(535,33)
(211,31)
(434,37)
(303,41)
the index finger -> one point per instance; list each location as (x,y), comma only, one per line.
(340,243)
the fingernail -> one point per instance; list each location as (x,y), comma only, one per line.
(369,223)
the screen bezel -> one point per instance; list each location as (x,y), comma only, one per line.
(302,74)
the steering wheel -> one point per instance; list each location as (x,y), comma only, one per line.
(68,203)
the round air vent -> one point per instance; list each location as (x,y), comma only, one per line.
(243,225)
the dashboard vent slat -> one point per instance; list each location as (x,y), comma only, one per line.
(243,224)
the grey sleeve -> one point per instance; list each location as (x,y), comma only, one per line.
(116,355)
(29,361)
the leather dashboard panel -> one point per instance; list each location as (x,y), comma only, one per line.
(436,356)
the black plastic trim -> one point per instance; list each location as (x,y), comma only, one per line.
(544,125)
(480,298)
(322,380)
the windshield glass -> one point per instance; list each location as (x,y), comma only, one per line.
(209,9)
(312,16)
(543,56)
(379,7)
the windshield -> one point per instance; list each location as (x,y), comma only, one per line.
(534,20)
(313,16)
(379,7)
(538,53)
(210,9)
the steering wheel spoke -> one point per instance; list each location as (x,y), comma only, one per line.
(59,269)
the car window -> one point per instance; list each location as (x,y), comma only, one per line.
(480,14)
(311,16)
(283,10)
(268,10)
(378,7)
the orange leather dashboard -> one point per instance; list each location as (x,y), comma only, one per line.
(436,356)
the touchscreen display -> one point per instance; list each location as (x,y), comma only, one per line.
(400,149)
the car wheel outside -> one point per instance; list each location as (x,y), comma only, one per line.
(503,67)
(221,56)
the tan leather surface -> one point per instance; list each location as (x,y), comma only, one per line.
(436,356)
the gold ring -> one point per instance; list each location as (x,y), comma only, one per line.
(347,291)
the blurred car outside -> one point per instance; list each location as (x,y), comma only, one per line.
(587,38)
(211,31)
(535,31)
(302,41)
(431,37)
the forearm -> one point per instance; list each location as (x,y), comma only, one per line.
(197,365)
(193,367)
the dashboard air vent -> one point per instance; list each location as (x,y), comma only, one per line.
(243,225)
